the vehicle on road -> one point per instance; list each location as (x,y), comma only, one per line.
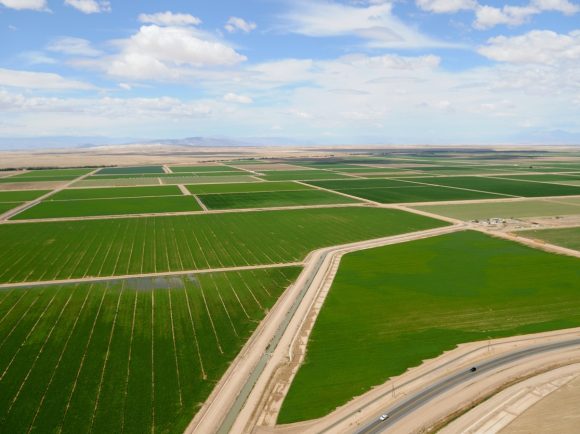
(473,369)
(383,417)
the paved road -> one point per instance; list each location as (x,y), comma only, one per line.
(414,402)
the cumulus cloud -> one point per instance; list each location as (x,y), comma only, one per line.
(234,24)
(169,19)
(39,80)
(73,47)
(536,47)
(35,5)
(373,22)
(156,52)
(90,6)
(239,99)
(446,6)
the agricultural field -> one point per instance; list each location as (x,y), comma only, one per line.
(247,187)
(175,179)
(269,199)
(300,175)
(7,206)
(203,169)
(104,207)
(515,210)
(131,170)
(52,173)
(84,248)
(110,193)
(398,191)
(21,195)
(555,178)
(565,237)
(135,356)
(392,307)
(505,186)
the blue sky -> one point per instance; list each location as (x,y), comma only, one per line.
(319,71)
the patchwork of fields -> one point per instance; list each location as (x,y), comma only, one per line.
(392,307)
(77,249)
(138,353)
(135,355)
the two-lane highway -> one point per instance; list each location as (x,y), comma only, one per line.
(419,399)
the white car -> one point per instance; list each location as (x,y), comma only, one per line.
(384,417)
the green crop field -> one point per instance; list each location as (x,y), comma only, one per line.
(272,199)
(203,169)
(18,179)
(7,206)
(300,175)
(565,237)
(109,193)
(545,178)
(134,356)
(519,209)
(246,187)
(104,207)
(392,307)
(61,250)
(130,170)
(21,195)
(398,191)
(505,186)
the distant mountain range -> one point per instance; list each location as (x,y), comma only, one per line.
(23,143)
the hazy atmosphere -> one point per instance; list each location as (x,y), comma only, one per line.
(302,72)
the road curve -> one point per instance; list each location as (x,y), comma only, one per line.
(248,376)
(416,401)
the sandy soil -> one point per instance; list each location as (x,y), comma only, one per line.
(558,412)
(48,185)
(544,403)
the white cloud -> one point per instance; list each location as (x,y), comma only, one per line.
(39,80)
(446,6)
(564,6)
(73,47)
(169,19)
(35,5)
(239,99)
(374,23)
(161,53)
(536,47)
(90,6)
(234,24)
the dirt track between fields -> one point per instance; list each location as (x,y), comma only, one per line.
(323,263)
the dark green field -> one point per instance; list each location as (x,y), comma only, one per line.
(110,193)
(133,356)
(398,191)
(288,175)
(21,195)
(203,169)
(270,199)
(7,206)
(62,250)
(246,187)
(392,307)
(104,207)
(505,186)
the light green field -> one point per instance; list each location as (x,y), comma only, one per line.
(269,199)
(566,237)
(520,209)
(108,193)
(246,187)
(299,175)
(62,250)
(104,207)
(392,307)
(133,356)
(58,173)
(95,181)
